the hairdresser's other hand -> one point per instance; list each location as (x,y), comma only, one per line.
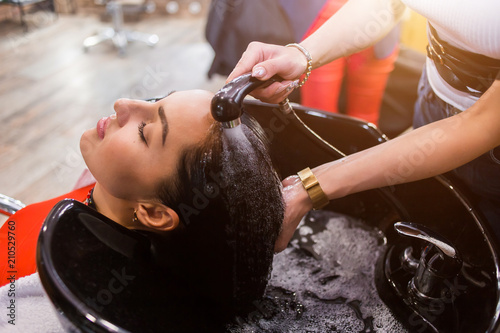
(267,60)
(297,204)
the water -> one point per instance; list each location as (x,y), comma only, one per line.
(325,282)
(236,134)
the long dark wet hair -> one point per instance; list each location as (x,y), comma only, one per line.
(229,200)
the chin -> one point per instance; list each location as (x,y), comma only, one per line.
(86,146)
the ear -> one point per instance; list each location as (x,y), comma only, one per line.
(157,216)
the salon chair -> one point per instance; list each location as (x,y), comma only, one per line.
(117,34)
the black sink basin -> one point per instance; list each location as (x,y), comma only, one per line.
(101,279)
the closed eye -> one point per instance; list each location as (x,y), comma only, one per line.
(141,132)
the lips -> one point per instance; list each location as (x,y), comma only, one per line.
(102,125)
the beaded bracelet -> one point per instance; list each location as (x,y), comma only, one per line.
(309,61)
(315,192)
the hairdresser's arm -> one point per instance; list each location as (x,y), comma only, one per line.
(356,26)
(427,151)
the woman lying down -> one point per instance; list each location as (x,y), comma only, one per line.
(151,161)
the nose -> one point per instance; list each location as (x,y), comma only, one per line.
(127,108)
(122,111)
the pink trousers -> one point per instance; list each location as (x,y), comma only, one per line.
(365,74)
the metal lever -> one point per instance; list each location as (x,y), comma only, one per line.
(439,261)
(423,233)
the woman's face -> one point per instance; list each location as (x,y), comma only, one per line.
(131,152)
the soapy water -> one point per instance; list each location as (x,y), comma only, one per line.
(324,282)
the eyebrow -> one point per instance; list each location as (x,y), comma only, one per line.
(156,99)
(163,118)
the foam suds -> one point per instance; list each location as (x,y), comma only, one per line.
(332,290)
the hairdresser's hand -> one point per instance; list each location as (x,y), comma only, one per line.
(297,204)
(267,60)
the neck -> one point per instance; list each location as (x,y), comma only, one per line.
(119,210)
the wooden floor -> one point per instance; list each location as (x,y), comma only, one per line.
(51,91)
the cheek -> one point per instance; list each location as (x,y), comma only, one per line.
(118,179)
(119,157)
(114,164)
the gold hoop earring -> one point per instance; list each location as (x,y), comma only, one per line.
(135,219)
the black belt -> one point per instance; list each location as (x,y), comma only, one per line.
(466,71)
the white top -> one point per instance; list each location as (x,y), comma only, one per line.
(471,25)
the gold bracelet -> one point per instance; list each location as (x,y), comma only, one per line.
(315,192)
(309,61)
